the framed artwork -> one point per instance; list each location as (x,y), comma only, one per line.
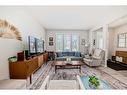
(50,43)
(94,42)
(50,39)
(83,42)
(9,31)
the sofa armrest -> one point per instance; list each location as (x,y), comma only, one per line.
(55,55)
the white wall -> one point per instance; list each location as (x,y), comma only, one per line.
(111,43)
(51,33)
(26,25)
(113,39)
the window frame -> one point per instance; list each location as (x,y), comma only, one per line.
(71,34)
(125,43)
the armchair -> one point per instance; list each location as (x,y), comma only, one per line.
(96,59)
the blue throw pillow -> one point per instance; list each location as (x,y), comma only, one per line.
(65,53)
(59,54)
(77,54)
(71,53)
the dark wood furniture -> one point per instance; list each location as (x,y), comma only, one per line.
(51,55)
(40,60)
(116,64)
(122,54)
(45,57)
(25,69)
(65,65)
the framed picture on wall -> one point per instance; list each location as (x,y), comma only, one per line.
(50,39)
(83,42)
(94,42)
(50,43)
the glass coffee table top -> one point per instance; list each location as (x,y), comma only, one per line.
(85,81)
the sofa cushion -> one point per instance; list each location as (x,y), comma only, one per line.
(96,57)
(65,53)
(97,52)
(59,54)
(12,84)
(76,58)
(77,54)
(61,58)
(71,54)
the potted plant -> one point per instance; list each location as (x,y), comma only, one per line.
(94,82)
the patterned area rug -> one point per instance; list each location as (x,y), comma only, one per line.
(68,74)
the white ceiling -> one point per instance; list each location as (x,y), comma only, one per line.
(118,22)
(75,17)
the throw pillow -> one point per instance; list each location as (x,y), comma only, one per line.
(59,54)
(120,59)
(97,52)
(77,54)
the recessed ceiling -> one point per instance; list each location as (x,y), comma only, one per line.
(74,17)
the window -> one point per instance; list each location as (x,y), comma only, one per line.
(122,40)
(67,42)
(59,42)
(75,43)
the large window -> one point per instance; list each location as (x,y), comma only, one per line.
(75,43)
(122,40)
(67,42)
(59,42)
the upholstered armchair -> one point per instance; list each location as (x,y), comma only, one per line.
(96,59)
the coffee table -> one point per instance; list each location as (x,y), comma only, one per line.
(84,83)
(68,65)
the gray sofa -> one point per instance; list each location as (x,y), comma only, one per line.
(61,56)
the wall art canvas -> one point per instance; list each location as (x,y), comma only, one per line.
(83,42)
(50,43)
(50,39)
(9,31)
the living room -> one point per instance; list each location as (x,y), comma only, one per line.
(66,45)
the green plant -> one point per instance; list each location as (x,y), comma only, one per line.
(94,81)
(12,59)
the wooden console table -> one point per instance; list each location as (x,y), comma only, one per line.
(25,69)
